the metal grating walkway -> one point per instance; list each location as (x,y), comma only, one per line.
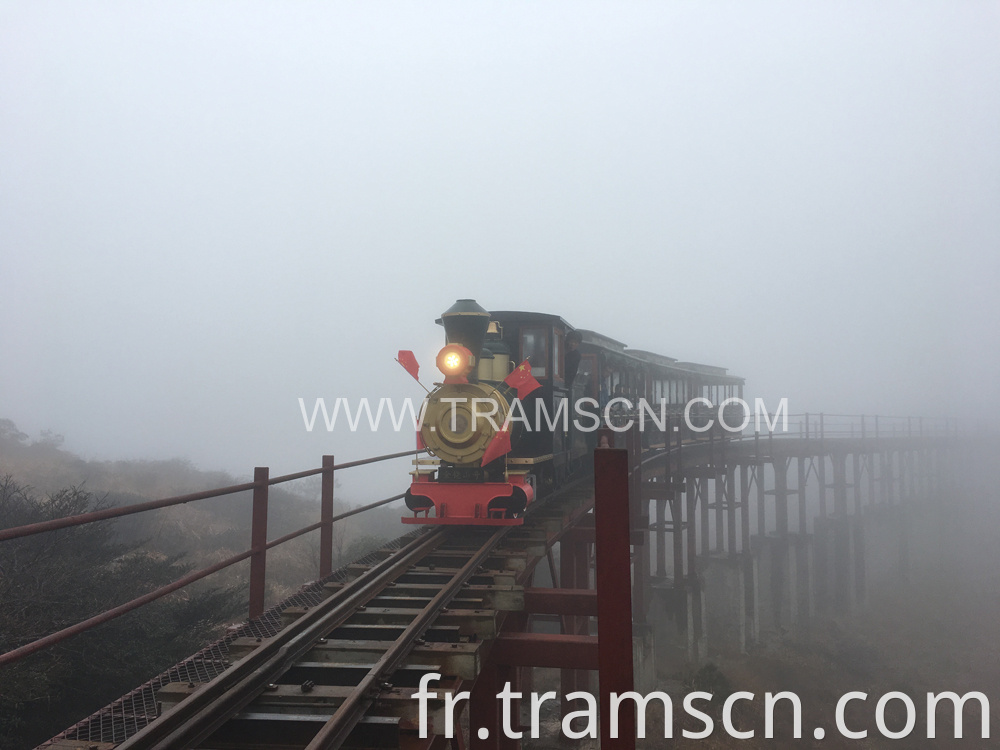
(124,717)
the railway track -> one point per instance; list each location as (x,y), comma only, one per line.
(309,685)
(342,666)
(342,673)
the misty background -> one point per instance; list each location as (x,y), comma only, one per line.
(208,211)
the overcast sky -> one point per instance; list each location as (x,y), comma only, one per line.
(210,210)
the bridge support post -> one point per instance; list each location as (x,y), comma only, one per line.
(750,576)
(889,476)
(822,543)
(823,568)
(639,520)
(675,478)
(677,609)
(840,555)
(725,593)
(729,576)
(706,544)
(326,518)
(719,516)
(730,495)
(661,534)
(574,573)
(804,567)
(484,711)
(858,529)
(843,559)
(614,593)
(870,462)
(694,611)
(778,574)
(258,541)
(860,562)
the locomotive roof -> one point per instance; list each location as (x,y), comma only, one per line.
(707,373)
(599,339)
(657,359)
(523,316)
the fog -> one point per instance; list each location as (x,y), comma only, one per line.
(209,211)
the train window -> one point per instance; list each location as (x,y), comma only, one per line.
(535,345)
(557,354)
(584,375)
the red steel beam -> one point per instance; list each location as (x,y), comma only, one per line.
(561,602)
(484,711)
(614,592)
(546,650)
(582,625)
(326,519)
(258,542)
(568,549)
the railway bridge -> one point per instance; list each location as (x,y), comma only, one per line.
(666,554)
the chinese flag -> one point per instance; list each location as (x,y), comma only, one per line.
(522,380)
(409,363)
(499,446)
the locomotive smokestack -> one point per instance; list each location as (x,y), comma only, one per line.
(465,323)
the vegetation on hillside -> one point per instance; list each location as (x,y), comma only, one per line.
(53,580)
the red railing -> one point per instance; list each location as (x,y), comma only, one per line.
(258,540)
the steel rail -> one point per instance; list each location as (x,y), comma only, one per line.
(335,732)
(196,717)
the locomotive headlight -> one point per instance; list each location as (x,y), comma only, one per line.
(455,361)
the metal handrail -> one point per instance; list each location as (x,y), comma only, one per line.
(256,553)
(18,532)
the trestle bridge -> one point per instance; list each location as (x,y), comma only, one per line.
(723,542)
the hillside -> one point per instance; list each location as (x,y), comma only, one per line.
(52,580)
(201,532)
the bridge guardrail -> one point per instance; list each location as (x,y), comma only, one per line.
(257,553)
(822,425)
(804,425)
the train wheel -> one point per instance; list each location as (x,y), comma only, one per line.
(416,503)
(512,506)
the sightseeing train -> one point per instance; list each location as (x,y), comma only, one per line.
(524,400)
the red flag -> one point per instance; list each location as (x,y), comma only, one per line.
(499,446)
(522,379)
(409,363)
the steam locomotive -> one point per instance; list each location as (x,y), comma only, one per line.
(524,399)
